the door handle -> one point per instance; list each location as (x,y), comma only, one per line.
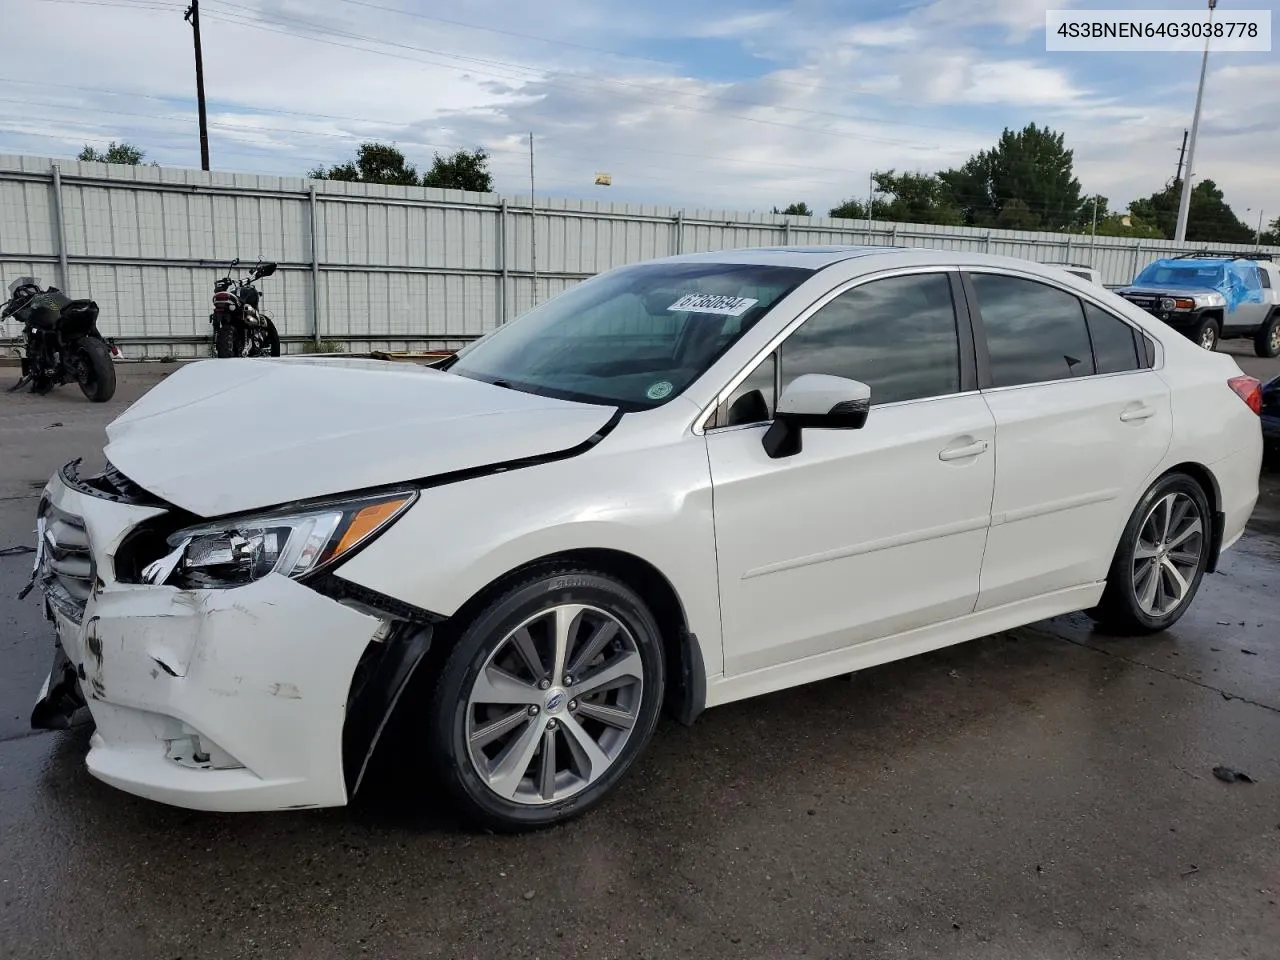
(1138,411)
(960,453)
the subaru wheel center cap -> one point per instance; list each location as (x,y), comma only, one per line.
(556,699)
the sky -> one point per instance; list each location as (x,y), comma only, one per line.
(731,104)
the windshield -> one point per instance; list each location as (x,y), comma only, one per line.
(1161,275)
(634,337)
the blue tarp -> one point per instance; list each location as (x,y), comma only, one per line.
(1237,280)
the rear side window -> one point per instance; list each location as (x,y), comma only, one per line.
(1035,333)
(1115,348)
(1265,276)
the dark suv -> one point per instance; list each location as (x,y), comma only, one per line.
(1211,297)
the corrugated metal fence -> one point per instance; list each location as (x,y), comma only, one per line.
(388,268)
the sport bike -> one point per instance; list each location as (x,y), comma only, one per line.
(60,341)
(240,327)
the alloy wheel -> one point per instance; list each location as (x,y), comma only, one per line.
(554,704)
(1208,337)
(1170,548)
(1274,339)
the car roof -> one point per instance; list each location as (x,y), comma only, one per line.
(819,256)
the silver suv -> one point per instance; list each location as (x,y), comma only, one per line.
(1214,296)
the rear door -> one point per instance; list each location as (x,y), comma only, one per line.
(1081,422)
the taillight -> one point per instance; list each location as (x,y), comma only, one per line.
(1248,389)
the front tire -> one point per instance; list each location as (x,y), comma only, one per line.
(1161,559)
(1208,333)
(1266,342)
(98,377)
(546,698)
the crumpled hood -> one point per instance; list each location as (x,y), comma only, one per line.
(223,436)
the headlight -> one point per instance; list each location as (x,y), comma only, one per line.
(234,552)
(1167,304)
(1210,300)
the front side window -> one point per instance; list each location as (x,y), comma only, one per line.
(634,337)
(897,335)
(1035,333)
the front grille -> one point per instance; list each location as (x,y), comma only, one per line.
(66,563)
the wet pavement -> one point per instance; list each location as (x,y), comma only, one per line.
(1045,793)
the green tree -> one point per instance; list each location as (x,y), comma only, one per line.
(374,163)
(1271,236)
(124,152)
(800,209)
(915,198)
(464,170)
(1032,166)
(1209,220)
(857,210)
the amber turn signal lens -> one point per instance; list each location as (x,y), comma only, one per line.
(366,522)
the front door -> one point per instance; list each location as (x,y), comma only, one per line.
(863,533)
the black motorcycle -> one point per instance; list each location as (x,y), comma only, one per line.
(61,341)
(240,327)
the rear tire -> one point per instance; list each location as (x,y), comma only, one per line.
(99,383)
(225,342)
(1208,333)
(521,742)
(1161,559)
(1266,342)
(273,339)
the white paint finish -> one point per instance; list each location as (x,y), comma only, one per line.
(866,546)
(223,436)
(819,393)
(1069,471)
(644,490)
(863,533)
(910,643)
(242,680)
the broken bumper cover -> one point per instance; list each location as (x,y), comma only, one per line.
(226,700)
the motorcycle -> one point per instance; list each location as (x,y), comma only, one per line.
(240,327)
(61,342)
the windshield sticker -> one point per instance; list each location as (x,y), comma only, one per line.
(658,390)
(713,303)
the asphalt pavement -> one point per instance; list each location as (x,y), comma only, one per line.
(1041,794)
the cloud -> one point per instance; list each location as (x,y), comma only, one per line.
(719,104)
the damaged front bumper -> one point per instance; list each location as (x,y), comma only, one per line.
(232,699)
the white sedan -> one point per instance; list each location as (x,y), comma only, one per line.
(678,484)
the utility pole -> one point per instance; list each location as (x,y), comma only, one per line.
(871,192)
(1094,231)
(192,16)
(533,224)
(1181,154)
(1257,235)
(1184,205)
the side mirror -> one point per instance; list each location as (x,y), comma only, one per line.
(815,401)
(266,270)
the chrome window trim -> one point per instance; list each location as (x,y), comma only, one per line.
(699,424)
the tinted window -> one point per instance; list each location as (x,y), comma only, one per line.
(1265,277)
(896,335)
(753,400)
(1114,347)
(1035,333)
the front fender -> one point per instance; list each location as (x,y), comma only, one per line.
(654,504)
